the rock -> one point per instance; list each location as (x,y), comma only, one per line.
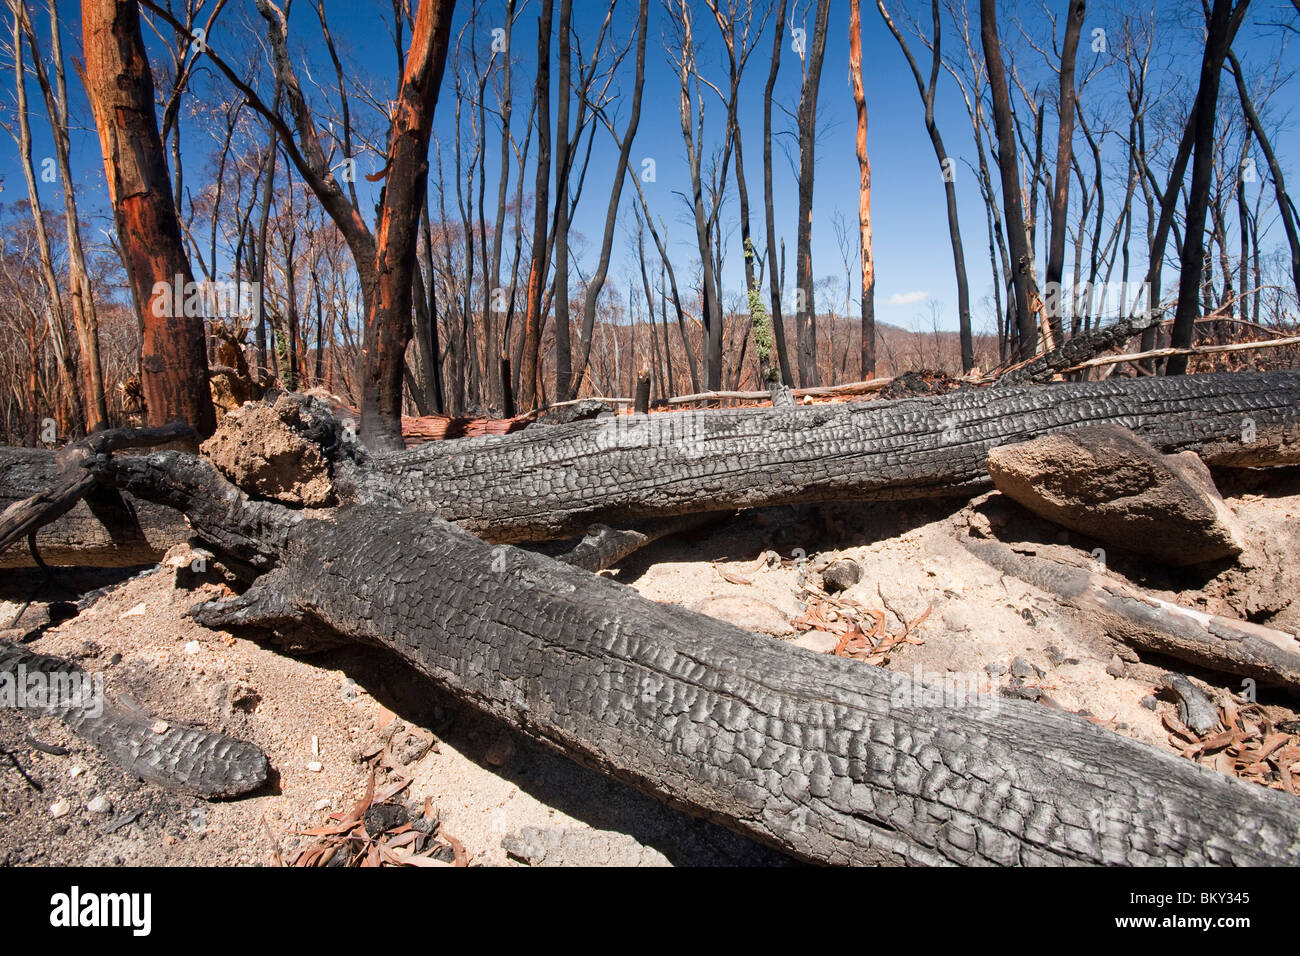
(749,613)
(60,808)
(1023,692)
(192,647)
(260,449)
(572,846)
(191,566)
(1022,668)
(245,698)
(841,576)
(820,642)
(1195,708)
(409,745)
(1150,703)
(995,669)
(314,766)
(1105,482)
(501,750)
(1116,667)
(99,804)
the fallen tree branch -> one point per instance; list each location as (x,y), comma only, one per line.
(169,754)
(817,391)
(1075,350)
(61,481)
(825,758)
(602,547)
(1191,350)
(1151,624)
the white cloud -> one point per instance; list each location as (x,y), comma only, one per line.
(907,298)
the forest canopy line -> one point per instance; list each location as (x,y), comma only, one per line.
(483,207)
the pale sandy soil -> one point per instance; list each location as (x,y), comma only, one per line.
(353,709)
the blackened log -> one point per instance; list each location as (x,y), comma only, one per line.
(1155,625)
(77,522)
(168,753)
(823,757)
(1078,349)
(541,484)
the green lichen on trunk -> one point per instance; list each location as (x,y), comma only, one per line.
(762,325)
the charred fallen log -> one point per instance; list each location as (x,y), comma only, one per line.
(550,483)
(104,528)
(1155,625)
(164,752)
(555,482)
(823,757)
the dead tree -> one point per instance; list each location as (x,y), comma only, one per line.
(1222,26)
(1285,207)
(805,307)
(80,293)
(692,126)
(174,364)
(69,404)
(1008,164)
(774,268)
(529,365)
(868,301)
(1065,111)
(621,171)
(388,327)
(546,483)
(946,168)
(386,275)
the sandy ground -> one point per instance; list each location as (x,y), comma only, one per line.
(327,720)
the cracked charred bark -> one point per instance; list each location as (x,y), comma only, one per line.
(544,483)
(556,482)
(826,758)
(171,754)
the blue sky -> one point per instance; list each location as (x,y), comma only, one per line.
(913,255)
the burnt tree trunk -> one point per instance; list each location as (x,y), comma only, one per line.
(946,169)
(388,329)
(1013,210)
(174,360)
(868,367)
(822,757)
(530,358)
(1065,108)
(805,307)
(1217,40)
(774,276)
(554,482)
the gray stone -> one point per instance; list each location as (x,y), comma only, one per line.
(841,575)
(99,804)
(821,642)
